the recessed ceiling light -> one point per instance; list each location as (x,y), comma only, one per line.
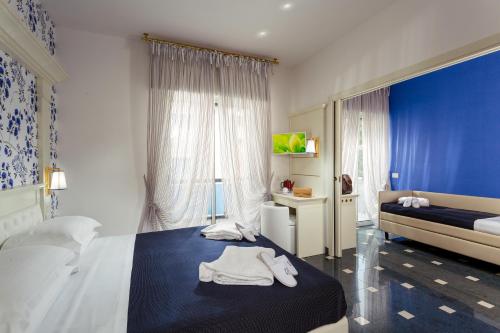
(262,34)
(287,6)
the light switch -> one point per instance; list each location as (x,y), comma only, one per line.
(395,175)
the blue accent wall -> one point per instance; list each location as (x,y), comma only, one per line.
(445,130)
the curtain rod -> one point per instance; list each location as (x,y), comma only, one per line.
(146,38)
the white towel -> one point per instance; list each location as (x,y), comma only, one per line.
(422,202)
(222,231)
(238,266)
(490,225)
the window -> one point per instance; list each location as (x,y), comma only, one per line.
(217,198)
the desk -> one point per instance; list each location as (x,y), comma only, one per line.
(309,224)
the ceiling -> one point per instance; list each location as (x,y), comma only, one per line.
(292,34)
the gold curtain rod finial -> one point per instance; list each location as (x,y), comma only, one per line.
(146,38)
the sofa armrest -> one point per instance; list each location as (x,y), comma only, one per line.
(391,196)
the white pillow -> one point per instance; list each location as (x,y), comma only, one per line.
(32,277)
(72,232)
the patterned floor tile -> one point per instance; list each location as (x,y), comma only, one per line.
(447,309)
(439,292)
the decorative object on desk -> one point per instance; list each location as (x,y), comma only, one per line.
(289,143)
(303,192)
(346,184)
(55,179)
(287,186)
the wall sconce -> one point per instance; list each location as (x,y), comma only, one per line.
(312,146)
(55,179)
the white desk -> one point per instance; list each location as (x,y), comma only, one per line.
(309,224)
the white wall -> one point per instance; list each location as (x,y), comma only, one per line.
(102,108)
(102,122)
(404,33)
(280,108)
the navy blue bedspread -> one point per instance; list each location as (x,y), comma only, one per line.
(166,295)
(460,218)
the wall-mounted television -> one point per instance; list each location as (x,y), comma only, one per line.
(289,143)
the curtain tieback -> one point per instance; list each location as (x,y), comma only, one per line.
(154,207)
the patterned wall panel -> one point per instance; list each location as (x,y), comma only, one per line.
(37,20)
(18,107)
(18,125)
(53,139)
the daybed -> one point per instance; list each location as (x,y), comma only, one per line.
(449,222)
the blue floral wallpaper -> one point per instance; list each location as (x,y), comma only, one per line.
(37,20)
(53,139)
(18,125)
(18,108)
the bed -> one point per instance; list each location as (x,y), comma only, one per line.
(460,218)
(452,222)
(149,283)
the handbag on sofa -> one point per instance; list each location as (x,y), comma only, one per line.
(346,184)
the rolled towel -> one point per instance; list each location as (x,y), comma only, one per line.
(238,266)
(401,200)
(415,203)
(424,202)
(408,201)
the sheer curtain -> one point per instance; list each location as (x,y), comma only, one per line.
(376,147)
(184,86)
(180,128)
(351,113)
(245,136)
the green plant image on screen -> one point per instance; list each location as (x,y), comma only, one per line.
(289,143)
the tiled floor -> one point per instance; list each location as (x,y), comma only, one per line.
(405,286)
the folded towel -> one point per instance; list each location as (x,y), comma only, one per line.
(238,266)
(222,231)
(408,201)
(490,225)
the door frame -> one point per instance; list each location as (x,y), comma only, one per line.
(470,51)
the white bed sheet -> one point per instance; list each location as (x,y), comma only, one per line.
(490,225)
(96,298)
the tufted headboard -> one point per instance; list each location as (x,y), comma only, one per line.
(20,208)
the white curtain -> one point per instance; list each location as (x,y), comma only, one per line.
(182,118)
(245,136)
(179,179)
(351,113)
(376,147)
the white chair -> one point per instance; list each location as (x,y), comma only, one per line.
(277,225)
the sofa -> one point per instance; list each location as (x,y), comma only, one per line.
(446,224)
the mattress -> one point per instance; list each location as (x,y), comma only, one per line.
(166,295)
(460,218)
